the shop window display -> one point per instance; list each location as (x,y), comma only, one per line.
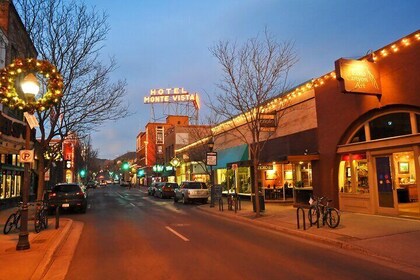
(353,174)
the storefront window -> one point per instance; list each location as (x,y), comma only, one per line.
(244,180)
(390,125)
(353,174)
(221,178)
(303,175)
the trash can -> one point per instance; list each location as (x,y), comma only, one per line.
(262,203)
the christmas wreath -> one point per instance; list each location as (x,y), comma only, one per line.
(20,68)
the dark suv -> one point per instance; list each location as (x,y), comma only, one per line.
(68,196)
(165,189)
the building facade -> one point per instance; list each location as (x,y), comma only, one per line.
(14,43)
(352,135)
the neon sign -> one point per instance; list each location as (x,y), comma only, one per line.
(170,95)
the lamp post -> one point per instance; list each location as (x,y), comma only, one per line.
(9,96)
(30,88)
(210,146)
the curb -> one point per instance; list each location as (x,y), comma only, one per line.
(324,240)
(49,254)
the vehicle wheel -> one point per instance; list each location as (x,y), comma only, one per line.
(313,215)
(9,223)
(184,200)
(175,198)
(333,218)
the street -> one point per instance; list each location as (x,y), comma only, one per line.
(129,235)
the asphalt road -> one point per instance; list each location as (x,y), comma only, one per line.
(128,235)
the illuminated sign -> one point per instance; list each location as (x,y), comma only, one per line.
(357,76)
(170,95)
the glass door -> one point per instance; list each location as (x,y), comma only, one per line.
(385,185)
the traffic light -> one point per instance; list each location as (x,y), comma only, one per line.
(125,166)
(82,173)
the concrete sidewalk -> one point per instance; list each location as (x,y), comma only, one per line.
(392,239)
(34,262)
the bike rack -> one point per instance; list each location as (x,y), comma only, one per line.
(57,217)
(301,210)
(220,204)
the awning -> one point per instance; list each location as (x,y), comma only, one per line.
(234,154)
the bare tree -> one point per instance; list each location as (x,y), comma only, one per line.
(71,36)
(252,75)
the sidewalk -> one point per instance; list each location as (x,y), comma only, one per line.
(34,262)
(392,239)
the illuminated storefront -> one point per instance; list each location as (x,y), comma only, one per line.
(11,170)
(369,141)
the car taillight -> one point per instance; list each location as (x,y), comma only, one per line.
(52,195)
(80,194)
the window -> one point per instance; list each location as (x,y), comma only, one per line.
(418,122)
(360,136)
(390,125)
(353,174)
(159,135)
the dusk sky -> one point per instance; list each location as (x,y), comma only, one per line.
(165,44)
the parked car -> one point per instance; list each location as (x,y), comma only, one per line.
(124,183)
(68,196)
(192,191)
(152,188)
(102,183)
(165,189)
(91,185)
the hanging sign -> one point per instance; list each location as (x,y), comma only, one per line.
(358,76)
(211,158)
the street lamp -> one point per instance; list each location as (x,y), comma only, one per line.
(9,97)
(30,87)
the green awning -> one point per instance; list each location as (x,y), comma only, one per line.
(234,154)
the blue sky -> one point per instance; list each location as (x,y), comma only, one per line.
(165,44)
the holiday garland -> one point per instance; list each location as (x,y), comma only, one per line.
(20,68)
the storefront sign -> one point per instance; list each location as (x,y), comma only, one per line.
(11,127)
(268,122)
(265,167)
(170,95)
(358,76)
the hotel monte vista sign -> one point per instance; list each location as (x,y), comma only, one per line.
(169,95)
(358,76)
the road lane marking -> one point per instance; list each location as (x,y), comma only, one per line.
(132,204)
(177,234)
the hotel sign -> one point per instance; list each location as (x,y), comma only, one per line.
(358,76)
(169,95)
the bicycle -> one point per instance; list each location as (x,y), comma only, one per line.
(41,216)
(329,215)
(14,220)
